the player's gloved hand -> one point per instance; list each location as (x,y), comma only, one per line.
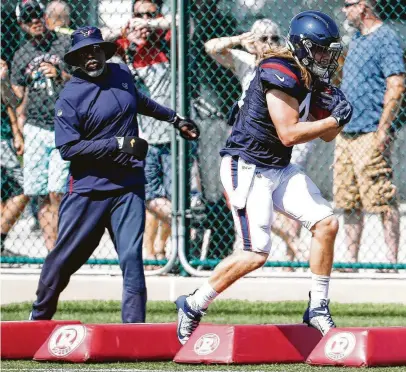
(327,96)
(188,129)
(342,113)
(134,146)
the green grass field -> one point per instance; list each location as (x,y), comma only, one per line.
(237,312)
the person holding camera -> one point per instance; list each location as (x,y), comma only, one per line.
(37,76)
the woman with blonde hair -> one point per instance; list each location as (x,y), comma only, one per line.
(264,34)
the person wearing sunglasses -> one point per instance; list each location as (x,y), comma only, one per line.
(96,129)
(145,47)
(374,82)
(146,18)
(264,34)
(37,76)
(152,20)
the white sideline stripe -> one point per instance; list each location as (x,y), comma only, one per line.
(18,288)
(84,271)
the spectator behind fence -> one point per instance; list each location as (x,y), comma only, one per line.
(96,129)
(145,48)
(57,17)
(213,90)
(264,34)
(373,81)
(13,200)
(37,77)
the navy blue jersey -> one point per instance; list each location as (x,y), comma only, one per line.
(89,114)
(254,137)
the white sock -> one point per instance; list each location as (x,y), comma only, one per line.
(203,297)
(319,290)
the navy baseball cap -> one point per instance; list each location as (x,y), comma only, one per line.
(83,37)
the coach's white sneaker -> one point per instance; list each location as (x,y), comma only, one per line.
(319,317)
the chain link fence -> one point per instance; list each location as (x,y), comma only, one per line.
(206,88)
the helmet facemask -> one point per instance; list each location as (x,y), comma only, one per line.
(321,61)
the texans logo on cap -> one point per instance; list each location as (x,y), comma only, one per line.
(83,37)
(86,33)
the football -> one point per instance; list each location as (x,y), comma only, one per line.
(318,113)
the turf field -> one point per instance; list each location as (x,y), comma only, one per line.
(238,312)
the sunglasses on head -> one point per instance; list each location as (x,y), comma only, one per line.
(348,5)
(148,14)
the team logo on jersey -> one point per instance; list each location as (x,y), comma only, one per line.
(281,79)
(125,85)
(340,346)
(66,339)
(207,344)
(59,112)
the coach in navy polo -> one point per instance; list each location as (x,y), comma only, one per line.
(96,130)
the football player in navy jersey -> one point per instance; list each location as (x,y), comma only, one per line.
(96,129)
(256,171)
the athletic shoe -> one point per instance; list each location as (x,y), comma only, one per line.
(188,319)
(319,317)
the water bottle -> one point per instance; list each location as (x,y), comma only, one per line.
(50,87)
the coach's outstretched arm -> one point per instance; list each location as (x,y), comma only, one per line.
(188,129)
